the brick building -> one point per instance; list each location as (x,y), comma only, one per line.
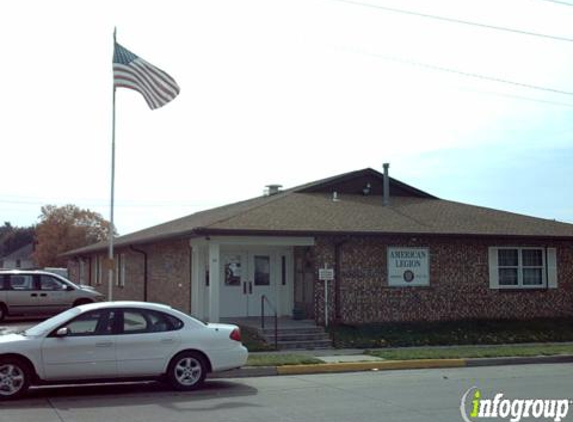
(403,256)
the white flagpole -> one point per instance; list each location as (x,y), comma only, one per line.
(111,231)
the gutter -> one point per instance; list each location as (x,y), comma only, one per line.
(145,277)
(202,231)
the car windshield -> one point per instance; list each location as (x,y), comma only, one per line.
(50,324)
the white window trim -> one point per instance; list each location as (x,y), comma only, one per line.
(120,270)
(82,271)
(548,273)
(98,270)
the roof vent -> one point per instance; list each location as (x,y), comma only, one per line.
(272,189)
(386,191)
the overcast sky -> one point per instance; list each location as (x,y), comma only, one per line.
(285,92)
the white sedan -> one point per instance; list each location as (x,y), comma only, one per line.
(118,341)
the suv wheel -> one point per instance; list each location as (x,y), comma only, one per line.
(14,378)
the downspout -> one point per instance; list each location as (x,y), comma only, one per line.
(337,252)
(145,278)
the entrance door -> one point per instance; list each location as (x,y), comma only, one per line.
(262,282)
(245,277)
(234,284)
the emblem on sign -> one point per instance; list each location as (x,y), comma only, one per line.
(408,276)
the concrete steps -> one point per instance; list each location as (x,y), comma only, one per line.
(292,338)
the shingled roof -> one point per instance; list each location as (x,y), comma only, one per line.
(310,209)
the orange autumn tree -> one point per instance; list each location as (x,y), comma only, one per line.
(62,229)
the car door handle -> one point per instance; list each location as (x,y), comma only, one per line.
(34,294)
(104,344)
(167,340)
(43,294)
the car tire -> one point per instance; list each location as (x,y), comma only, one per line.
(3,312)
(187,371)
(15,376)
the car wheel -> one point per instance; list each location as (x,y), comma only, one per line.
(187,371)
(3,311)
(14,378)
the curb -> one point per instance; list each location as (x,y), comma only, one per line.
(519,360)
(369,366)
(329,368)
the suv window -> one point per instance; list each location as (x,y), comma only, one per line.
(20,282)
(51,283)
(2,283)
(137,321)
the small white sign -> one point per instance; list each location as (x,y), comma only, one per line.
(326,274)
(408,266)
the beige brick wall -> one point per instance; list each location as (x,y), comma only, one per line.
(169,274)
(459,282)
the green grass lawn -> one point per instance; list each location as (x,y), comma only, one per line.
(280,359)
(472,352)
(406,353)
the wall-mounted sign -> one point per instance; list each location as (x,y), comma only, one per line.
(408,266)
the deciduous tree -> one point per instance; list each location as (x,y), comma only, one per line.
(62,229)
(13,238)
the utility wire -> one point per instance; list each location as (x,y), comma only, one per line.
(459,21)
(462,73)
(559,2)
(521,97)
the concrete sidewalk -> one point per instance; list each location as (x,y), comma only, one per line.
(354,360)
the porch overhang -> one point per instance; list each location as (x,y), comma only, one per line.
(206,256)
(254,240)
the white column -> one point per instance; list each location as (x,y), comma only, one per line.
(214,281)
(197,281)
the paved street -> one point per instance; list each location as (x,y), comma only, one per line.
(415,395)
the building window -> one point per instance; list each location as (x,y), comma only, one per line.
(283,270)
(97,270)
(120,262)
(82,271)
(522,268)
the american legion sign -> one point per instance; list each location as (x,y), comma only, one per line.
(408,266)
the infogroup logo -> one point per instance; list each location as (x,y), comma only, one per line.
(475,407)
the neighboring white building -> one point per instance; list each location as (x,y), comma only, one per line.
(19,259)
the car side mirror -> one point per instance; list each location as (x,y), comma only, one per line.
(63,332)
(69,288)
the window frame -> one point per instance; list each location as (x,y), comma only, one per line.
(98,332)
(33,286)
(56,280)
(520,268)
(175,324)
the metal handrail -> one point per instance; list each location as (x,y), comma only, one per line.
(264,299)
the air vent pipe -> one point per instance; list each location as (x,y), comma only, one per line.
(386,197)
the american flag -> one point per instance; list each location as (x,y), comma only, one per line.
(131,71)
